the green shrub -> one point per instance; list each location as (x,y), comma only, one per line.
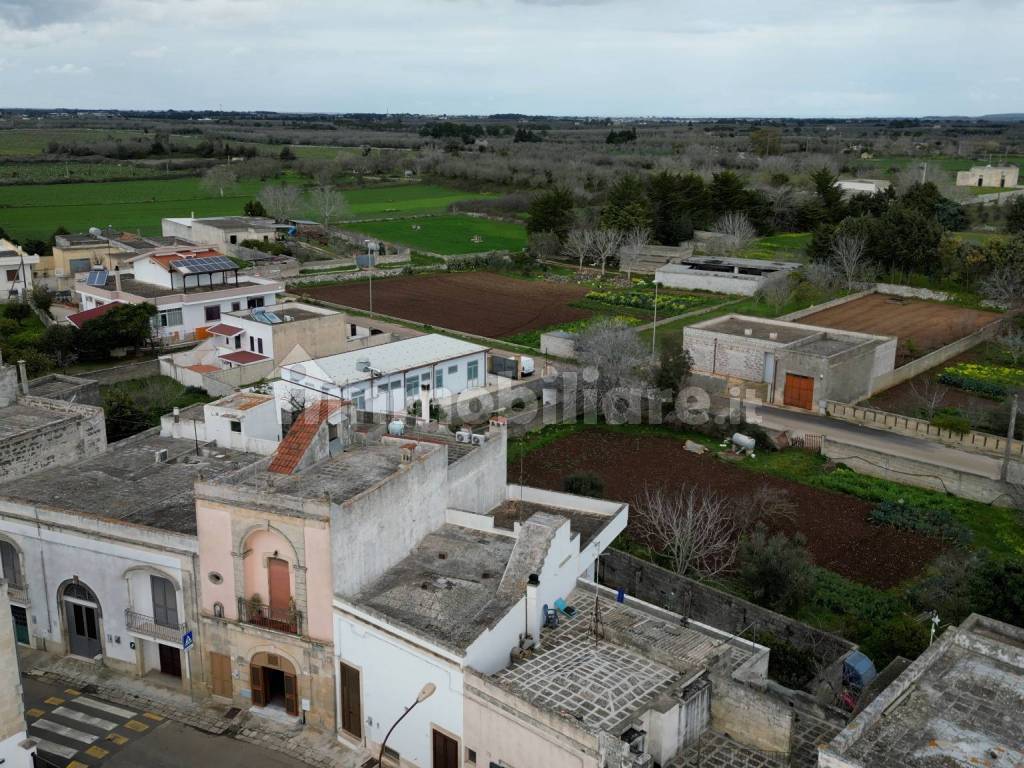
(951,419)
(584,484)
(931,522)
(989,389)
(776,570)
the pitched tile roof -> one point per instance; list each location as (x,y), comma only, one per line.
(81,318)
(243,357)
(290,452)
(223,329)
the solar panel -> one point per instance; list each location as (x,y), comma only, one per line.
(204,265)
(97,277)
(263,316)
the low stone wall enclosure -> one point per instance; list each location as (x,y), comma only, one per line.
(907,425)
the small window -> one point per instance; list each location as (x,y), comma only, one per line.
(218,610)
(238,342)
(212,312)
(396,384)
(452,370)
(259,346)
(470,755)
(425,378)
(215,578)
(236,426)
(254,301)
(235,306)
(234,239)
(12,275)
(252,344)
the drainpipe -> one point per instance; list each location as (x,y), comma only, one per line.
(533,610)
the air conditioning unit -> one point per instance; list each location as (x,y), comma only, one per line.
(478,439)
(464,437)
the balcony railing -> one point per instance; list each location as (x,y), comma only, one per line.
(17,590)
(141,624)
(281,620)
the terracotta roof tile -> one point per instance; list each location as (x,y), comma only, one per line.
(81,318)
(295,444)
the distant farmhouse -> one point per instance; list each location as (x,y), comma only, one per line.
(989,176)
(862,186)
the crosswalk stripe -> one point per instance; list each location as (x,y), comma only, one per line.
(65,731)
(110,709)
(81,717)
(55,749)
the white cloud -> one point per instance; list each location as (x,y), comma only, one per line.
(64,69)
(157,52)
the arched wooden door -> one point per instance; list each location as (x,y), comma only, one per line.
(273,679)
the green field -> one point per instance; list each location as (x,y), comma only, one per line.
(403,199)
(946,163)
(36,173)
(36,211)
(449,235)
(788,247)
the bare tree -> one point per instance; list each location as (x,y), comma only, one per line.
(767,505)
(1013,341)
(822,275)
(616,356)
(1005,286)
(736,234)
(328,203)
(694,527)
(633,243)
(282,201)
(848,257)
(219,179)
(776,293)
(606,244)
(578,245)
(929,394)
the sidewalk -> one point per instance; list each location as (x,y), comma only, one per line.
(321,750)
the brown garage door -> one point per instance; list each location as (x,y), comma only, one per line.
(799,391)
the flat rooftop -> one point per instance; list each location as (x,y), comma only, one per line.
(605,683)
(232,222)
(958,704)
(737,325)
(21,417)
(341,477)
(128,484)
(404,355)
(585,524)
(827,346)
(242,401)
(153,291)
(446,587)
(285,313)
(57,386)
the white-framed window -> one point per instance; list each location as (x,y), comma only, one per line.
(412,386)
(473,370)
(453,369)
(170,318)
(212,312)
(358,396)
(439,378)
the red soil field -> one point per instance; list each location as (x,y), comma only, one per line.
(927,324)
(483,303)
(839,533)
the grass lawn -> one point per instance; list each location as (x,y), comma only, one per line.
(26,333)
(979,238)
(36,173)
(946,163)
(36,211)
(449,235)
(786,247)
(403,199)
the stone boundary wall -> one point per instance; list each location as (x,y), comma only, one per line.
(936,357)
(908,425)
(792,317)
(890,289)
(79,434)
(922,474)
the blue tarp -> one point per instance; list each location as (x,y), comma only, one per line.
(858,670)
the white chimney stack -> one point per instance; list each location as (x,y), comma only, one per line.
(533,618)
(23,373)
(117,279)
(425,402)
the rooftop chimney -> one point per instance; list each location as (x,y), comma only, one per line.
(117,279)
(533,621)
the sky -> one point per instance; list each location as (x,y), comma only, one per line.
(745,58)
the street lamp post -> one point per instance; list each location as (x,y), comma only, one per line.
(425,693)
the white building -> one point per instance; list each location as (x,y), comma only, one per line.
(16,749)
(15,271)
(221,231)
(191,288)
(862,186)
(390,377)
(994,176)
(461,601)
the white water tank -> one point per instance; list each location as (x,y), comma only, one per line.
(744,443)
(396,427)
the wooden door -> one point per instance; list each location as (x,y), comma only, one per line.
(170,660)
(259,697)
(446,751)
(280,588)
(351,703)
(291,694)
(220,674)
(83,630)
(799,391)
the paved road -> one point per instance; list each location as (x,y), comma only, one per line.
(76,729)
(173,745)
(879,440)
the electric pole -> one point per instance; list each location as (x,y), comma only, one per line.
(1010,432)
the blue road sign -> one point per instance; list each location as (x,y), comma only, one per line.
(186,640)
